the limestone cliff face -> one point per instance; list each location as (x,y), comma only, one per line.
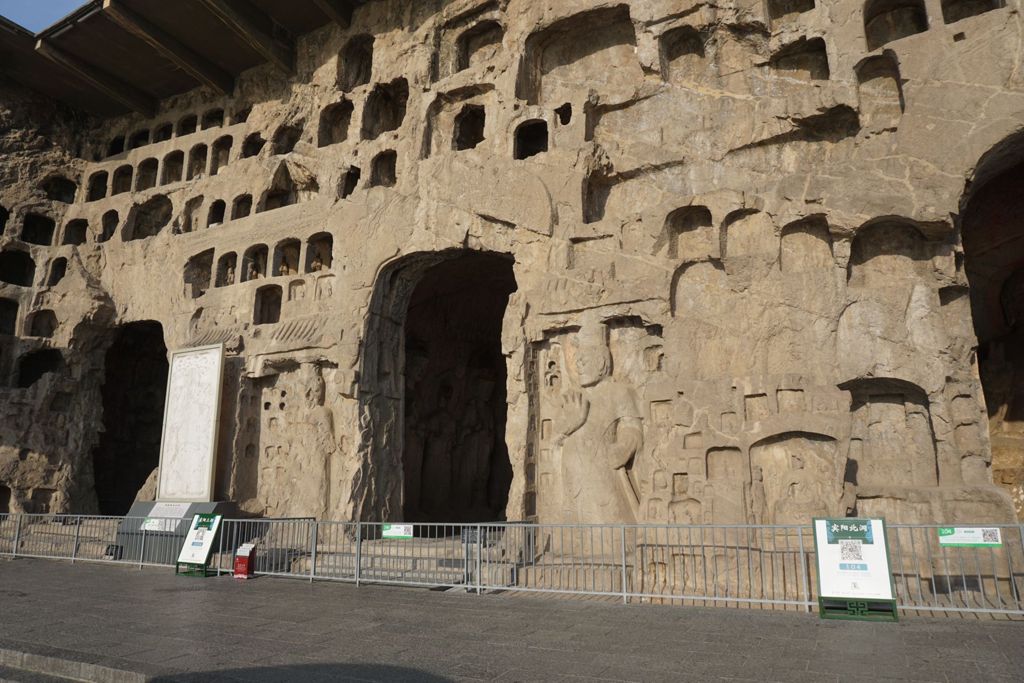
(579,261)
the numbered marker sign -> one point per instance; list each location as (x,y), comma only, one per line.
(853,560)
(969,537)
(397,531)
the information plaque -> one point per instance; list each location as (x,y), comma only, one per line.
(397,531)
(195,551)
(854,577)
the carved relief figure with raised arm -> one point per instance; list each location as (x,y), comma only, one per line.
(600,433)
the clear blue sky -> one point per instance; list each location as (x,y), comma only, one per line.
(35,15)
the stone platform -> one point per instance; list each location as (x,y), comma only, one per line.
(106,623)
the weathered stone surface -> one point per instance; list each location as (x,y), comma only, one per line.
(584,261)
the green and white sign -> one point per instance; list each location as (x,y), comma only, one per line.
(199,541)
(854,578)
(397,531)
(969,537)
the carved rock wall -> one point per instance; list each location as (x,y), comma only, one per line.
(740,280)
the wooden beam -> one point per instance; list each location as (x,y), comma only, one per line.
(170,47)
(111,86)
(338,11)
(254,27)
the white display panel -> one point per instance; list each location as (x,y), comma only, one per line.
(853,559)
(188,448)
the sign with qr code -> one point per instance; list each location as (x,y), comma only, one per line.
(199,541)
(853,560)
(970,537)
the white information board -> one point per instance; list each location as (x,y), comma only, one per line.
(853,559)
(188,448)
(199,541)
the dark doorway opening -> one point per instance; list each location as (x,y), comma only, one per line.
(133,392)
(455,460)
(993,238)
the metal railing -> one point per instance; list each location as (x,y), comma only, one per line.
(124,540)
(752,566)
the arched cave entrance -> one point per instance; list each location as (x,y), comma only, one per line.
(133,392)
(434,356)
(993,239)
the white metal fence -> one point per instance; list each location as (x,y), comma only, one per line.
(754,566)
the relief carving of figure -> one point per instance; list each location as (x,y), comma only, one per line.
(803,493)
(600,435)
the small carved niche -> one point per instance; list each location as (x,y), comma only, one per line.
(122,180)
(335,120)
(198,272)
(286,137)
(145,178)
(174,168)
(286,257)
(188,125)
(58,269)
(478,44)
(469,127)
(221,154)
(197,161)
(805,59)
(75,232)
(384,169)
(689,233)
(355,63)
(254,263)
(683,57)
(97,186)
(241,207)
(531,139)
(42,324)
(226,270)
(38,229)
(109,225)
(889,20)
(60,189)
(319,252)
(8,316)
(385,108)
(268,305)
(253,145)
(213,119)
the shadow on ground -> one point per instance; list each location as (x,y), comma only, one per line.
(308,672)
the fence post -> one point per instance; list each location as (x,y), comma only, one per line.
(803,569)
(17,535)
(622,543)
(359,549)
(78,531)
(479,556)
(312,561)
(220,550)
(142,550)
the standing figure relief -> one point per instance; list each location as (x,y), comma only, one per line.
(599,431)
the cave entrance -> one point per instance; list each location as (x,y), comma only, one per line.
(133,393)
(993,239)
(455,461)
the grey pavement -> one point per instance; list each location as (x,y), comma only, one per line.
(172,628)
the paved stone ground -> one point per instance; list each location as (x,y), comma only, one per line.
(188,629)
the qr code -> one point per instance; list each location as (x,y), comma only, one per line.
(850,550)
(990,535)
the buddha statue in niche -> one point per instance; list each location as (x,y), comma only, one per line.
(600,434)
